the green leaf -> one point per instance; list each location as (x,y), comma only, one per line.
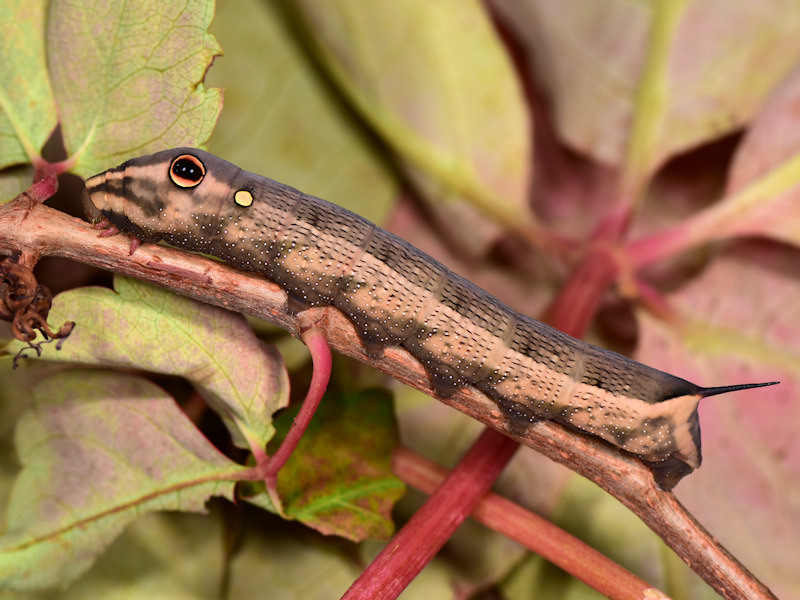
(339,479)
(27,108)
(435,83)
(129,79)
(161,555)
(14,181)
(143,327)
(286,564)
(283,119)
(98,450)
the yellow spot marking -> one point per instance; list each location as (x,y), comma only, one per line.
(243,198)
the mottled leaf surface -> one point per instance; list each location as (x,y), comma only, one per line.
(747,492)
(129,79)
(97,451)
(27,107)
(143,327)
(435,83)
(339,480)
(284,120)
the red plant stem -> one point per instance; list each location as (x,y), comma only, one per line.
(45,183)
(655,303)
(666,244)
(317,344)
(532,531)
(575,306)
(433,524)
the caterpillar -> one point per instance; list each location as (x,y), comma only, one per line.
(395,295)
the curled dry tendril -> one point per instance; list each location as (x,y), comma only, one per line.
(26,304)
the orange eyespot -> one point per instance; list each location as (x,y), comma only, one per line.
(187,171)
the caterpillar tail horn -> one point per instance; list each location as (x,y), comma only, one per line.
(714,391)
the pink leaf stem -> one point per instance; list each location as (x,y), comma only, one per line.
(321,359)
(45,183)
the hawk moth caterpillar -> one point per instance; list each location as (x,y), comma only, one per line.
(323,255)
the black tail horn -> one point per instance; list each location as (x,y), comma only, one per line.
(713,391)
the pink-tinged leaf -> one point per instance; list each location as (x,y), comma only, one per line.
(339,480)
(128,77)
(435,83)
(639,82)
(763,190)
(739,324)
(138,326)
(27,108)
(770,152)
(98,450)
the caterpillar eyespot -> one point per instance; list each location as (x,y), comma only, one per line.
(396,295)
(187,171)
(243,198)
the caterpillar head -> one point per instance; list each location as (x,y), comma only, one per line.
(174,193)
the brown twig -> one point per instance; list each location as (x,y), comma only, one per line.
(49,232)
